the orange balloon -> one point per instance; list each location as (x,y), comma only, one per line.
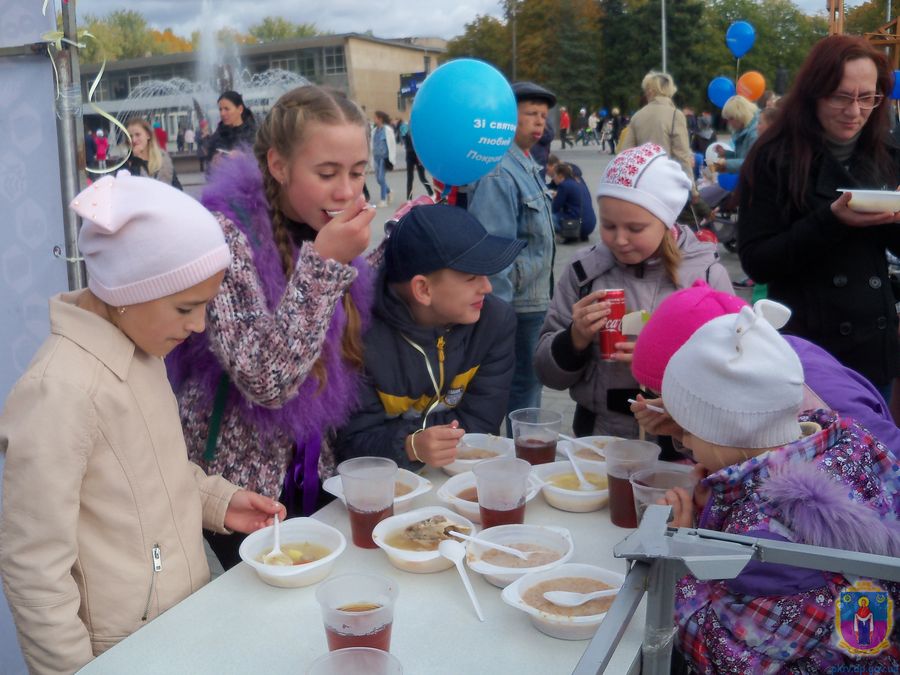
(751,85)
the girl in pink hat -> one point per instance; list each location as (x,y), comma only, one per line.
(102,511)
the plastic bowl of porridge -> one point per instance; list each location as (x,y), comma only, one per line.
(419,555)
(598,442)
(473,448)
(407,486)
(561,489)
(873,201)
(459,493)
(566,623)
(550,546)
(302,539)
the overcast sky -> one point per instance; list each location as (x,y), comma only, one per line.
(388,18)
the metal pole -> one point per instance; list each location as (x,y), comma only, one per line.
(512,5)
(70,139)
(659,628)
(664,49)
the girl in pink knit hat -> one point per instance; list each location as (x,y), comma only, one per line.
(644,251)
(102,512)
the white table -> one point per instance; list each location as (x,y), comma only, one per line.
(238,624)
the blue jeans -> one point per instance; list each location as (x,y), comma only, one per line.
(379,176)
(525,390)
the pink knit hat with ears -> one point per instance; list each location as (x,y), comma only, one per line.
(671,324)
(143,240)
(647,177)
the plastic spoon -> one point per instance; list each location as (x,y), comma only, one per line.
(455,552)
(572,599)
(654,408)
(583,483)
(276,556)
(500,547)
(583,444)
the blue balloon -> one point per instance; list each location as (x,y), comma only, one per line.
(720,89)
(727,181)
(740,38)
(895,93)
(604,112)
(463,120)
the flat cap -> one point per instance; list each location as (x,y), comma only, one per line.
(529,91)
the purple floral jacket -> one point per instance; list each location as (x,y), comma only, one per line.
(838,487)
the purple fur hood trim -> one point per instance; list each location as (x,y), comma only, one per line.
(236,190)
(823,512)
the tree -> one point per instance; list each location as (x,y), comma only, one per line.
(485,38)
(134,32)
(276,28)
(166,42)
(869,16)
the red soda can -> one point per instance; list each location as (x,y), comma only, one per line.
(611,333)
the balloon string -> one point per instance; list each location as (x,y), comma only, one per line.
(737,70)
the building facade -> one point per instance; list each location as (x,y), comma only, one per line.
(366,68)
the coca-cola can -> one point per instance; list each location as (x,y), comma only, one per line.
(611,333)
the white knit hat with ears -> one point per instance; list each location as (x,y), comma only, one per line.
(142,239)
(647,177)
(736,382)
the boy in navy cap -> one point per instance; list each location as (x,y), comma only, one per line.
(439,354)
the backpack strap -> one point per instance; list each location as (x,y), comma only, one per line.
(584,287)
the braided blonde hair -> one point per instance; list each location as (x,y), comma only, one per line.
(284,130)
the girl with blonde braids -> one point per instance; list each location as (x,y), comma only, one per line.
(277,369)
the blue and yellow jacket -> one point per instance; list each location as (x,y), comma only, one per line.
(471,364)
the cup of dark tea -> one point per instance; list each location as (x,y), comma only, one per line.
(535,432)
(624,458)
(358,611)
(502,487)
(368,486)
(650,485)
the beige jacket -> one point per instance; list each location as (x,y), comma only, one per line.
(96,483)
(662,123)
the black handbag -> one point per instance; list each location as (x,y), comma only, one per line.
(570,228)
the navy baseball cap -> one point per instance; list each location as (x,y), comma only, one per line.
(439,236)
(529,91)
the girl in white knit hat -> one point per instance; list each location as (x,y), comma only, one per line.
(644,251)
(102,512)
(736,388)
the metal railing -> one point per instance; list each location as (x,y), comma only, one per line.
(659,556)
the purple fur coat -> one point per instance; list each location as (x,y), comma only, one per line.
(265,332)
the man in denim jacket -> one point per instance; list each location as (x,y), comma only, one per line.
(511,201)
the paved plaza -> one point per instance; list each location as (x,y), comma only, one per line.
(592,163)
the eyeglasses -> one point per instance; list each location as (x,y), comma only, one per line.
(844,101)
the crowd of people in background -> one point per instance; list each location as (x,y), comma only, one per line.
(288,347)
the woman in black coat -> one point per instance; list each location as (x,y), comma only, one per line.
(796,231)
(236,128)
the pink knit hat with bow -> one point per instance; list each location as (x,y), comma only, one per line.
(142,239)
(675,320)
(647,177)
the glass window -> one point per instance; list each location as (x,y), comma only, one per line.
(289,64)
(135,80)
(307,64)
(334,60)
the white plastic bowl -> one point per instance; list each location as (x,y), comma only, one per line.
(498,444)
(555,538)
(419,485)
(294,530)
(563,627)
(587,455)
(578,501)
(448,492)
(420,562)
(873,201)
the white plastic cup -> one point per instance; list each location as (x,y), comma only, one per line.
(502,485)
(368,486)
(651,485)
(356,661)
(535,433)
(357,610)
